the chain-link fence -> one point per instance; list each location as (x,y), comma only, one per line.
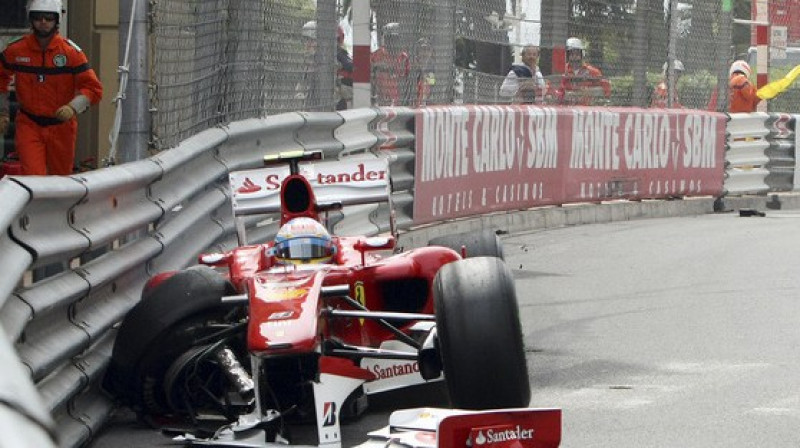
(629,41)
(220,60)
(216,61)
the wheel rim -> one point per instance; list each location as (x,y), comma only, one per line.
(195,382)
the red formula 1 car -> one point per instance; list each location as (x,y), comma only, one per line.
(309,325)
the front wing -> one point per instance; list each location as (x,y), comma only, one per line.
(454,428)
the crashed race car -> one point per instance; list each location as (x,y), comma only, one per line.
(307,326)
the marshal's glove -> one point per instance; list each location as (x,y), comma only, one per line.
(4,120)
(65,113)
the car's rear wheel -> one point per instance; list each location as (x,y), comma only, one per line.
(480,243)
(480,335)
(149,363)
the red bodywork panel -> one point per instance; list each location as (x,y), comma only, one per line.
(283,311)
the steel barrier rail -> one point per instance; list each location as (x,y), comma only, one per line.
(24,419)
(794,152)
(781,140)
(318,131)
(44,225)
(105,232)
(394,127)
(15,261)
(761,153)
(247,141)
(351,133)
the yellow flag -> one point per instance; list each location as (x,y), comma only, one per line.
(775,88)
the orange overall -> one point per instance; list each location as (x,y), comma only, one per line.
(578,81)
(743,96)
(391,75)
(44,81)
(661,95)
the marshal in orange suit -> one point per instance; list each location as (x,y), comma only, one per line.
(54,83)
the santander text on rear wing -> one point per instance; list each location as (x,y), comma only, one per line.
(345,182)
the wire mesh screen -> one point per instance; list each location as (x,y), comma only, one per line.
(421,33)
(628,41)
(216,61)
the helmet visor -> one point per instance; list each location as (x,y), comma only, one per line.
(304,248)
(46,16)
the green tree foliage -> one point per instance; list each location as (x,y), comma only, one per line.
(605,25)
(741,33)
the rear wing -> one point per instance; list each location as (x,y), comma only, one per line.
(336,183)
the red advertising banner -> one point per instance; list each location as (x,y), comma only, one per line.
(473,160)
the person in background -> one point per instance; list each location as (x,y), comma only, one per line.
(660,98)
(306,87)
(582,82)
(391,67)
(54,84)
(742,94)
(344,73)
(423,73)
(525,83)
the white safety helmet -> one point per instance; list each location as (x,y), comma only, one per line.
(310,30)
(391,29)
(44,6)
(677,66)
(53,6)
(741,67)
(573,43)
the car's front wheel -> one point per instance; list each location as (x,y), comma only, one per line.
(480,335)
(165,361)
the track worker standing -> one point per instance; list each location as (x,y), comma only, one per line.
(582,82)
(344,73)
(54,84)
(743,95)
(660,97)
(391,66)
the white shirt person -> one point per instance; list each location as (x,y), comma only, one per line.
(525,83)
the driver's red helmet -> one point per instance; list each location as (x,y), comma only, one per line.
(303,241)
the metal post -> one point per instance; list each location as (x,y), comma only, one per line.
(724,53)
(672,49)
(561,13)
(362,71)
(134,133)
(762,48)
(641,50)
(327,23)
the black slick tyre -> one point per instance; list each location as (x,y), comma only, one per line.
(480,335)
(480,243)
(149,329)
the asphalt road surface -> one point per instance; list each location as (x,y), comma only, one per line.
(679,332)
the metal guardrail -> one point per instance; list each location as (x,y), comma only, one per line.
(78,249)
(761,153)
